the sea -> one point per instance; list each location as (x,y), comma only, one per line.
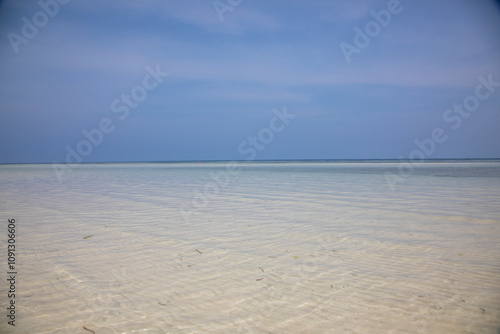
(314,246)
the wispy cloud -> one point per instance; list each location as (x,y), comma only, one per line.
(262,54)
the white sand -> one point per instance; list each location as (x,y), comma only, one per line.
(280,253)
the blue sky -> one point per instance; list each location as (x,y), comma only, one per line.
(225,77)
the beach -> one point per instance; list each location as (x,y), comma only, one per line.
(296,247)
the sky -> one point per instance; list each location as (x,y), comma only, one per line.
(156,80)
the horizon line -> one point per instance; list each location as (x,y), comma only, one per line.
(246,161)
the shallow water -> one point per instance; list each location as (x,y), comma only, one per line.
(297,247)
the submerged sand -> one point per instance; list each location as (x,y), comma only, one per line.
(271,253)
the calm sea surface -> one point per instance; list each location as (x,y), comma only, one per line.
(255,247)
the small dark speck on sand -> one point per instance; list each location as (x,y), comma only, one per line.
(88,329)
(88,236)
(198,250)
